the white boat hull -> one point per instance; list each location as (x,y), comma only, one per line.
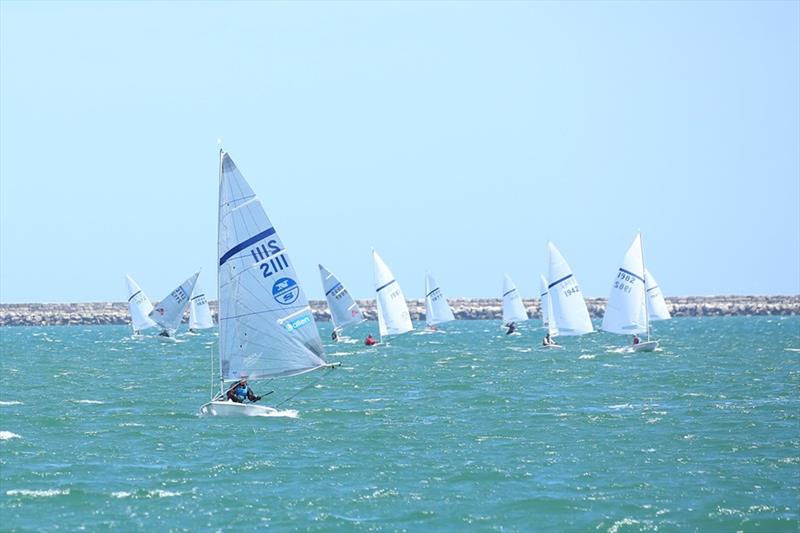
(228,408)
(647,346)
(551,346)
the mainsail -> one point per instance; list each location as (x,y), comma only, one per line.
(266,325)
(625,311)
(344,310)
(199,312)
(513,308)
(656,305)
(168,313)
(548,320)
(437,310)
(569,307)
(393,316)
(139,306)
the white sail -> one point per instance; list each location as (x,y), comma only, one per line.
(569,307)
(548,320)
(344,310)
(513,308)
(139,306)
(393,316)
(199,311)
(437,310)
(656,306)
(625,311)
(168,313)
(266,327)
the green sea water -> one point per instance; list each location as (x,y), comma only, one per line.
(463,430)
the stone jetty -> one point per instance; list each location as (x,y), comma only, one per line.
(44,314)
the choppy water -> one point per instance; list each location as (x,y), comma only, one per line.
(463,430)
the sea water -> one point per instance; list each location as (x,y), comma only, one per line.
(465,429)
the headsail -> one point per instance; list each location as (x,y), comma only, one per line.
(656,305)
(139,306)
(168,313)
(199,312)
(344,310)
(437,310)
(625,311)
(569,307)
(513,308)
(547,308)
(266,326)
(393,316)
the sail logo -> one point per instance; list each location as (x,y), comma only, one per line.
(297,323)
(285,291)
(160,311)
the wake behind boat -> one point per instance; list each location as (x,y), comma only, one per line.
(266,328)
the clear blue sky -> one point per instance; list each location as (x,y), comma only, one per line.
(457,137)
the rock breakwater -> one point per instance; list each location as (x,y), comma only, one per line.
(100,313)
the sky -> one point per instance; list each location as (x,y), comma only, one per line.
(454,137)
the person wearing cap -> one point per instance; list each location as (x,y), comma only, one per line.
(241,391)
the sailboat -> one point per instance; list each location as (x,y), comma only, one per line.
(266,327)
(513,308)
(344,309)
(437,310)
(627,310)
(199,311)
(393,316)
(548,320)
(139,306)
(570,315)
(168,313)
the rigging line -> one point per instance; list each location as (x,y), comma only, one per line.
(304,388)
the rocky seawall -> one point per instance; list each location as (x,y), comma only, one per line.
(44,314)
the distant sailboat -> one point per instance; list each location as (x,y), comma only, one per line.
(199,311)
(570,315)
(393,315)
(513,308)
(168,313)
(266,327)
(548,320)
(344,309)
(139,306)
(627,310)
(437,310)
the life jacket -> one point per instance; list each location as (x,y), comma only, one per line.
(241,392)
(369,341)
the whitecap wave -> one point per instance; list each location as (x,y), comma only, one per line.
(12,402)
(7,435)
(93,402)
(587,357)
(287,413)
(38,493)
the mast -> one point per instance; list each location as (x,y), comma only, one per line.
(644,289)
(219,306)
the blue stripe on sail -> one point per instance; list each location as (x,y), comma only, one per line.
(333,288)
(509,292)
(198,296)
(434,290)
(559,281)
(632,274)
(379,289)
(134,295)
(652,288)
(543,294)
(242,245)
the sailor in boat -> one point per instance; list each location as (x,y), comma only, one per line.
(165,333)
(335,336)
(547,341)
(635,339)
(370,340)
(241,391)
(511,327)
